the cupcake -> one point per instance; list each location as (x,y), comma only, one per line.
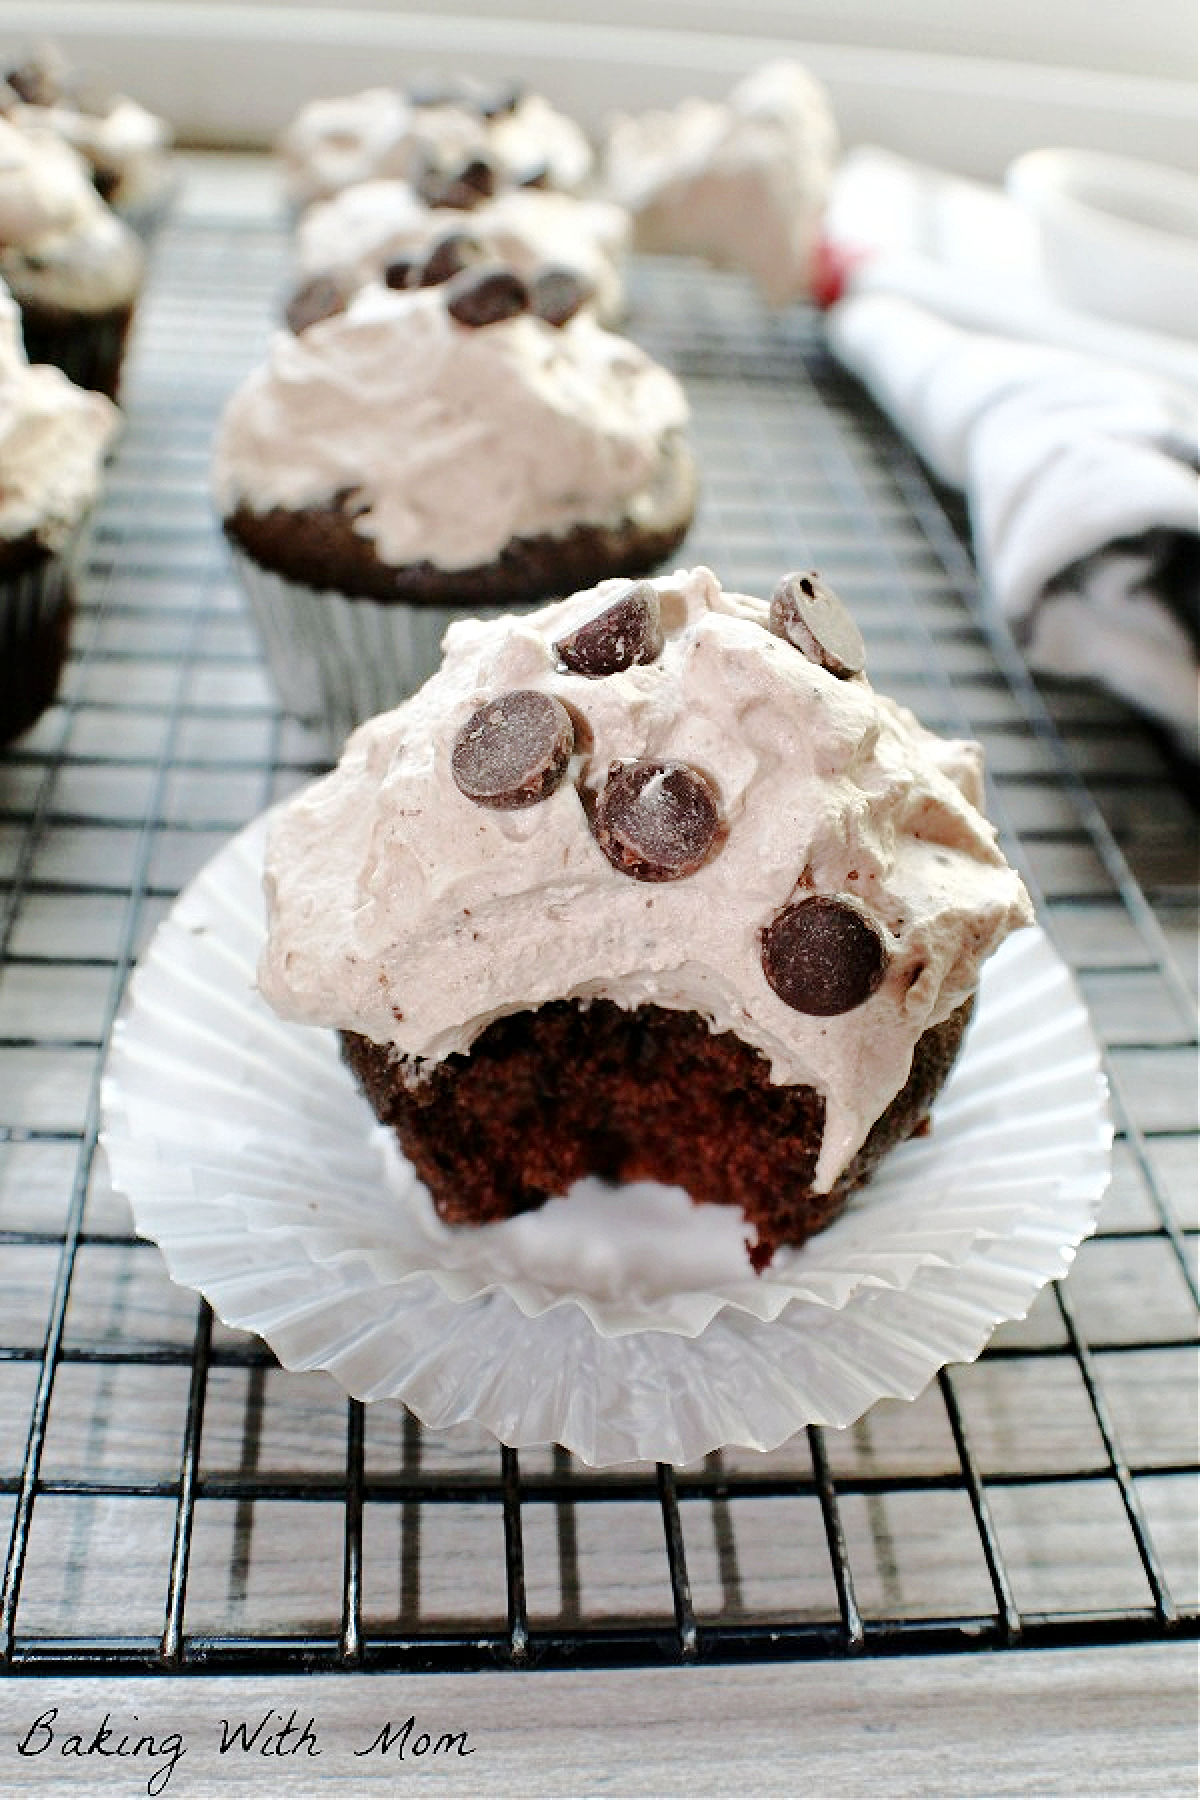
(646,884)
(430,452)
(53,437)
(74,269)
(742,182)
(381,231)
(439,134)
(126,147)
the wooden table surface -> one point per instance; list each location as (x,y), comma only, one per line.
(1087,1722)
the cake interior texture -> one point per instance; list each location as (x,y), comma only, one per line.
(570,1089)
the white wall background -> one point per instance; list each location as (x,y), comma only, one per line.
(962,83)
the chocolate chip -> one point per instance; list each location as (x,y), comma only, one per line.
(457,250)
(461,189)
(486,294)
(656,821)
(320,297)
(399,272)
(627,632)
(810,616)
(37,82)
(480,175)
(557,294)
(823,956)
(514,751)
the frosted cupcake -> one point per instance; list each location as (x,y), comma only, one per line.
(53,439)
(431,452)
(647,884)
(74,269)
(384,231)
(432,133)
(125,146)
(742,182)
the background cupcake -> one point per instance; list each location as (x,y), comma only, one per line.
(380,230)
(74,269)
(430,452)
(53,438)
(125,146)
(429,133)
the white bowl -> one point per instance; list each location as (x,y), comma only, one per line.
(1118,236)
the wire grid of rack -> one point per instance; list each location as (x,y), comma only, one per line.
(172,1500)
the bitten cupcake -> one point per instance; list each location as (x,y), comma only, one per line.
(430,452)
(647,884)
(437,132)
(742,182)
(384,231)
(74,269)
(53,438)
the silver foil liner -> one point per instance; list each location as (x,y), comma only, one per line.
(335,660)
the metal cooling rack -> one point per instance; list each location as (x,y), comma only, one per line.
(172,1500)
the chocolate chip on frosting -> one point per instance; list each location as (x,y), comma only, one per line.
(399,272)
(656,821)
(627,632)
(485,294)
(456,251)
(823,956)
(514,751)
(556,295)
(461,188)
(319,298)
(37,82)
(810,616)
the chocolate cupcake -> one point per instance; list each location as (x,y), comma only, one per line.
(53,438)
(432,452)
(742,182)
(430,134)
(126,147)
(74,269)
(647,884)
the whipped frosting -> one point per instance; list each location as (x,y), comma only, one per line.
(455,439)
(53,437)
(354,236)
(60,245)
(113,140)
(742,182)
(401,910)
(333,143)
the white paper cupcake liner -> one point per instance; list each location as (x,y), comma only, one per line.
(335,660)
(624,1325)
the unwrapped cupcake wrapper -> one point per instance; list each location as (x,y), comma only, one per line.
(337,660)
(624,1324)
(36,607)
(89,348)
